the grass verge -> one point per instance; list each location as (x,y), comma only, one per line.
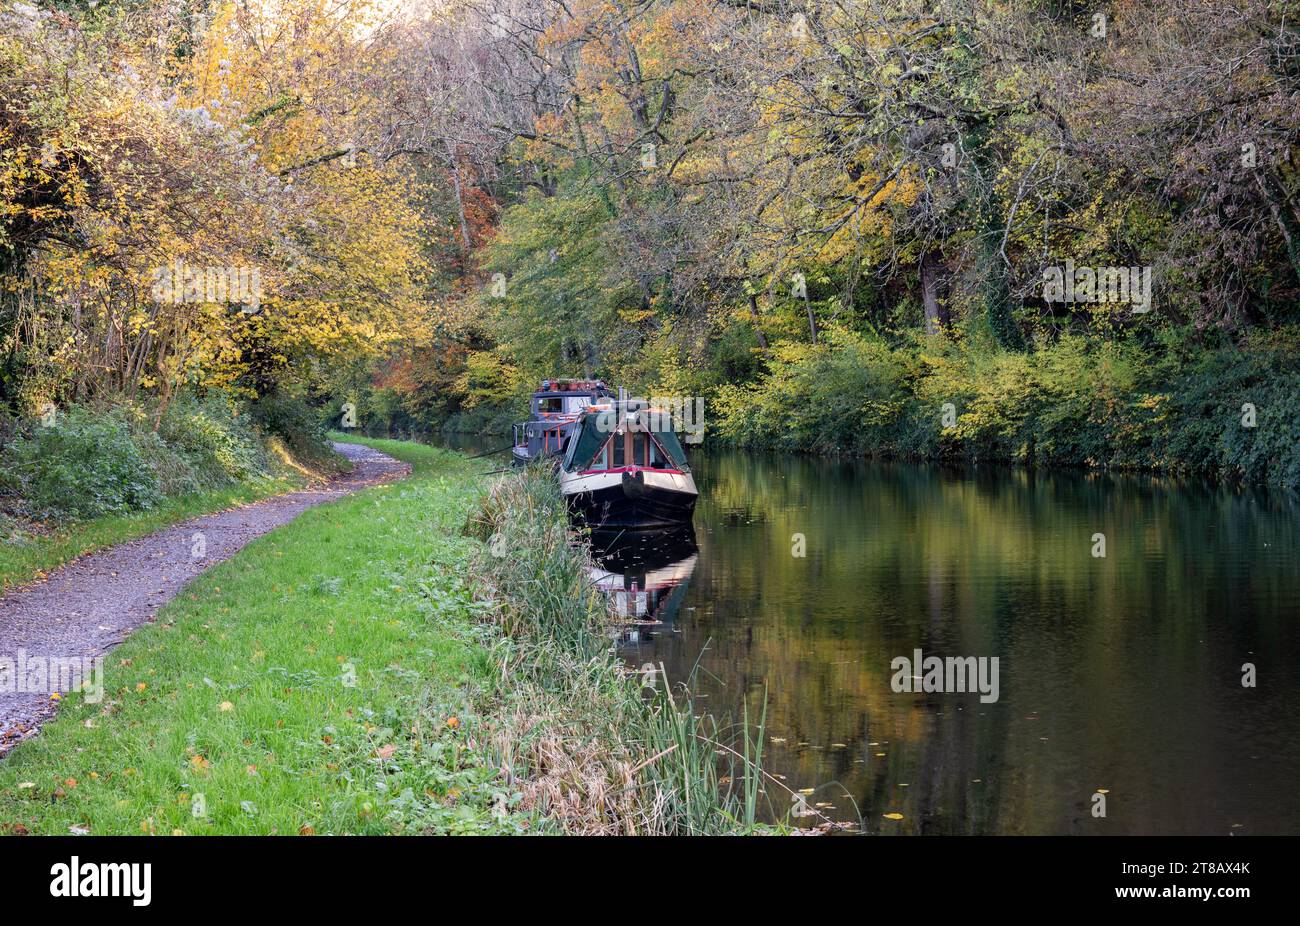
(318,682)
(586,743)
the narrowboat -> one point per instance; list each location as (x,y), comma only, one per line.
(625,468)
(554,410)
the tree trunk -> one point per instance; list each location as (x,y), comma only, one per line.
(460,210)
(758,327)
(1280,221)
(812,319)
(932,273)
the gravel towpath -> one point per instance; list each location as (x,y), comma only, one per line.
(85,608)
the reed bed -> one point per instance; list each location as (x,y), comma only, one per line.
(576,733)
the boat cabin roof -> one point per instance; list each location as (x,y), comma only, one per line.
(554,387)
(600,422)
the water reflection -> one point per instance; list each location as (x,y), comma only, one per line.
(644,576)
(1120,673)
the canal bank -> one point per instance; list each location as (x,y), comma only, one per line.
(369,668)
(609,748)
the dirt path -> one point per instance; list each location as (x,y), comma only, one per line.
(85,608)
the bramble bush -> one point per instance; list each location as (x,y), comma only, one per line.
(216,438)
(84,465)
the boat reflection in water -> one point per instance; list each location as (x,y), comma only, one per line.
(643,575)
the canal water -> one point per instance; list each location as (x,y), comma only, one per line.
(1120,677)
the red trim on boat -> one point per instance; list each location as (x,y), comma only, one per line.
(631,469)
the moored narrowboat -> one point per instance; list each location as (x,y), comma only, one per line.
(553,413)
(625,467)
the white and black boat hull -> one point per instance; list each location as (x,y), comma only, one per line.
(636,500)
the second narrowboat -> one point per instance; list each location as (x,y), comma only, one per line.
(553,413)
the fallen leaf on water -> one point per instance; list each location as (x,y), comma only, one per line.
(892,816)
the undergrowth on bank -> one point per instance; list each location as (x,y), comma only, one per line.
(1227,411)
(584,740)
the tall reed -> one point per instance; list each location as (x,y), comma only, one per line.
(581,738)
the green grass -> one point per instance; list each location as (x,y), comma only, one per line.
(242,690)
(27,556)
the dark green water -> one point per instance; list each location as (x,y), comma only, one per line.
(1121,673)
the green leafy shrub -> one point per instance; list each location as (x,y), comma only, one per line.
(87,464)
(215,438)
(843,396)
(176,473)
(1204,424)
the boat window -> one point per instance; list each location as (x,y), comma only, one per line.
(617,443)
(576,403)
(550,404)
(602,459)
(658,458)
(673,447)
(638,448)
(591,436)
